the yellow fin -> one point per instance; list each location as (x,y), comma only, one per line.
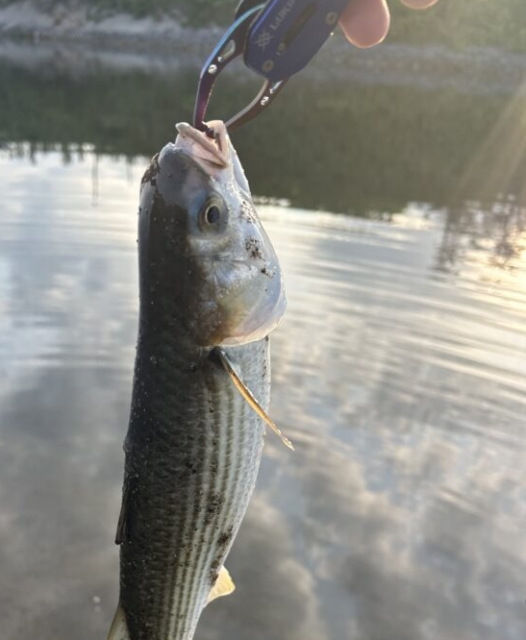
(119,628)
(249,396)
(223,586)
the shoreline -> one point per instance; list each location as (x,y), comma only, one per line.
(68,41)
(429,68)
(24,21)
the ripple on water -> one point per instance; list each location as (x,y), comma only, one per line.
(399,377)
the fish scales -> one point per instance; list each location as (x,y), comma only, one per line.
(208,277)
(191,501)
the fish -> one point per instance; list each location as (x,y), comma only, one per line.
(210,293)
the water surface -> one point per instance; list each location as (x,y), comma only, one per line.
(399,370)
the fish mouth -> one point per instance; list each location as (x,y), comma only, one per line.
(211,153)
(215,155)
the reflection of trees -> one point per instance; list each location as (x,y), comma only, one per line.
(339,145)
(489,201)
(497,229)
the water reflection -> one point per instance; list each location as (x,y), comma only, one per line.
(497,229)
(374,130)
(398,373)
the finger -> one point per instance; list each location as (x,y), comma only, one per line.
(365,22)
(419,4)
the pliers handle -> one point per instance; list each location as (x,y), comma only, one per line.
(277,39)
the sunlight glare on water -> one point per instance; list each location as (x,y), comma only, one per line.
(398,372)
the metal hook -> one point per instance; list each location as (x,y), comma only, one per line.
(229,47)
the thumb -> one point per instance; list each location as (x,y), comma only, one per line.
(419,4)
(365,22)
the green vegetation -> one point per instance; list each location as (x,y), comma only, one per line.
(361,147)
(498,23)
(454,23)
(192,12)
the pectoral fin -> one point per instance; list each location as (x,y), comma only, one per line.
(249,396)
(119,627)
(223,586)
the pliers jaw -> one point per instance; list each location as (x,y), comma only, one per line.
(231,46)
(266,95)
(277,38)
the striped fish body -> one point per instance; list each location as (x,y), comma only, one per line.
(208,278)
(192,456)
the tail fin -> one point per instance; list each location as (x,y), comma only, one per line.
(119,628)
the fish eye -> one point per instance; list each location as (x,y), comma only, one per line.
(213,215)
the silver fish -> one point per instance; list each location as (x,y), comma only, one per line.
(210,293)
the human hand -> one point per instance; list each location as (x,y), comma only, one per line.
(366,22)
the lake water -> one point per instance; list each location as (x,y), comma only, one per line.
(398,372)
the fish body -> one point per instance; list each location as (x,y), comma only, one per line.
(208,278)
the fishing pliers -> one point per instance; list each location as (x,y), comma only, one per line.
(277,39)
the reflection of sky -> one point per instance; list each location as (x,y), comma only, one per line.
(400,514)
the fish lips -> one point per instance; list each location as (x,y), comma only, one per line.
(216,156)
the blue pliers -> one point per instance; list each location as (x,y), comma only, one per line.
(277,39)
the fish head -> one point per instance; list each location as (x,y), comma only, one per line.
(204,256)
